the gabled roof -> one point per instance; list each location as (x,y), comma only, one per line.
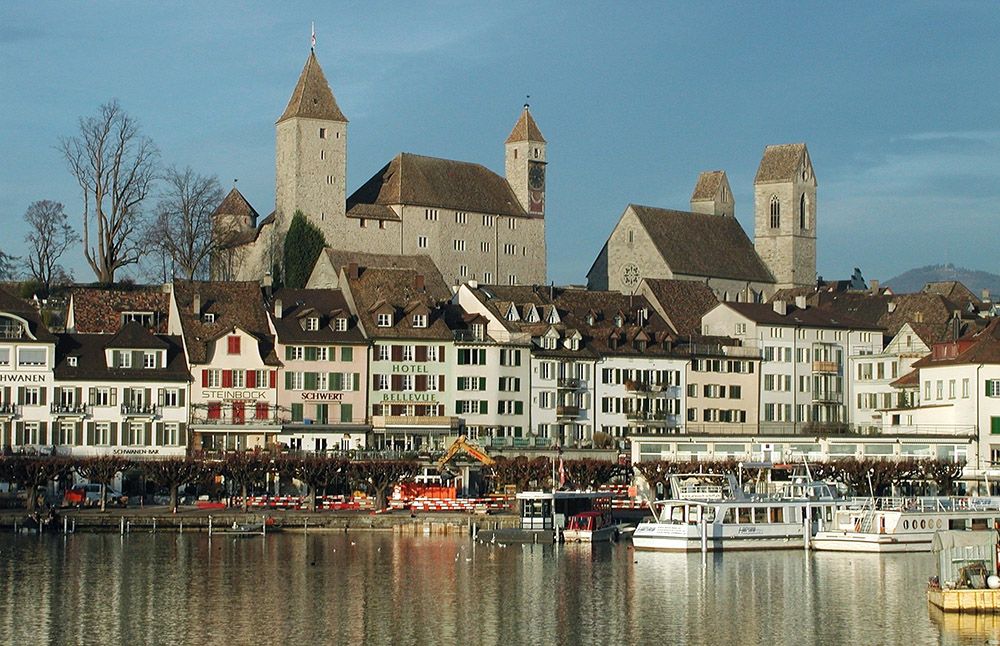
(780,163)
(698,244)
(327,304)
(708,185)
(91,361)
(235,304)
(525,129)
(816,317)
(99,310)
(236,204)
(312,97)
(954,291)
(982,346)
(683,301)
(377,290)
(133,336)
(438,183)
(24,310)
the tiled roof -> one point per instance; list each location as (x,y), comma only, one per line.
(423,265)
(23,309)
(697,244)
(373,212)
(89,350)
(99,311)
(235,304)
(377,289)
(779,163)
(954,291)
(438,183)
(708,185)
(326,304)
(525,129)
(133,335)
(982,346)
(236,204)
(810,317)
(909,380)
(312,97)
(683,301)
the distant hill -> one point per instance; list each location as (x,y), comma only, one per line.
(915,279)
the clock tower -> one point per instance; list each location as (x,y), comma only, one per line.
(525,164)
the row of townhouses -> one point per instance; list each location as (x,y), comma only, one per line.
(386,355)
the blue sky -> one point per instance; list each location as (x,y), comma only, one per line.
(899,105)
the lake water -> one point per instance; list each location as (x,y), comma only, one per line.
(385,588)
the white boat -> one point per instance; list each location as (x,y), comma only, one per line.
(713,517)
(904,524)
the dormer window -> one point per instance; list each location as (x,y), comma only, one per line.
(341,324)
(233,344)
(590,319)
(208,317)
(420,320)
(512,314)
(124,359)
(148,359)
(619,320)
(574,344)
(553,316)
(10,328)
(384,320)
(478,331)
(145,319)
(71,361)
(312,323)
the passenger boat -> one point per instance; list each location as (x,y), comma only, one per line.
(591,527)
(708,516)
(904,524)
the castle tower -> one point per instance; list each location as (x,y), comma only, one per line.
(712,194)
(311,155)
(525,163)
(785,215)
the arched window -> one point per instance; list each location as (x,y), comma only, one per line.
(803,219)
(775,212)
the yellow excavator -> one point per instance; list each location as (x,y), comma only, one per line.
(462,443)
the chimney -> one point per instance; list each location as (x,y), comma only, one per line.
(985,296)
(278,309)
(196,305)
(800,302)
(473,284)
(352,270)
(418,282)
(874,284)
(267,282)
(780,307)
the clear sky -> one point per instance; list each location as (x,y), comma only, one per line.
(898,103)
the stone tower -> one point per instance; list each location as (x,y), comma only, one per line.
(311,156)
(785,215)
(712,194)
(525,163)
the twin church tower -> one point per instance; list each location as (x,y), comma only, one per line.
(473,223)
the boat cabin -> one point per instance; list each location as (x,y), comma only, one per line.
(548,510)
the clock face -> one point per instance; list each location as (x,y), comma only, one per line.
(536,176)
(630,274)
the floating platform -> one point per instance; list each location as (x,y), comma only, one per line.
(965,601)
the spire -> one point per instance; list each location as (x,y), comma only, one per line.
(312,97)
(525,129)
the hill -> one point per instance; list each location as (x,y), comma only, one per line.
(915,279)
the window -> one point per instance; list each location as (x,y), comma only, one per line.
(461,218)
(409,353)
(741,328)
(513,224)
(471,356)
(102,433)
(546,399)
(312,323)
(322,133)
(951,389)
(510,249)
(509,357)
(322,156)
(992,388)
(102,397)
(510,384)
(459,245)
(340,325)
(145,319)
(546,370)
(294,380)
(512,279)
(775,212)
(940,389)
(432,353)
(208,317)
(148,359)
(485,247)
(329,179)
(31,356)
(67,432)
(172,434)
(803,220)
(487,278)
(420,320)
(384,383)
(965,389)
(489,220)
(233,345)
(136,433)
(384,353)
(171,397)
(239,379)
(421,242)
(384,320)
(124,359)
(431,215)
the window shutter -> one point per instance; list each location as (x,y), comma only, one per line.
(441,383)
(43,392)
(458,408)
(159,396)
(114,396)
(227,378)
(396,381)
(375,382)
(147,397)
(6,394)
(518,408)
(18,433)
(441,354)
(148,435)
(204,378)
(274,378)
(180,396)
(420,383)
(296,412)
(43,432)
(335,381)
(137,359)
(78,398)
(126,395)
(182,433)
(288,381)
(57,394)
(310,380)
(159,434)
(88,434)
(482,383)
(356,383)
(460,384)
(483,407)
(396,352)
(346,413)
(421,353)
(251,378)
(288,353)
(311,354)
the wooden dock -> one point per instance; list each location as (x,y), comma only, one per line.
(964,601)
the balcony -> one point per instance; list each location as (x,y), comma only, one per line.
(567,410)
(140,410)
(69,410)
(238,420)
(832,396)
(424,423)
(471,336)
(569,383)
(8,409)
(826,366)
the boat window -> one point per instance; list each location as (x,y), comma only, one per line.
(744,515)
(954,523)
(978,523)
(777,514)
(923,524)
(906,524)
(760,514)
(828,515)
(730,517)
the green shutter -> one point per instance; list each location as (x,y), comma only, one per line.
(483,407)
(312,353)
(518,408)
(288,381)
(347,354)
(995,426)
(336,381)
(357,381)
(482,383)
(288,353)
(346,413)
(310,380)
(296,412)
(458,407)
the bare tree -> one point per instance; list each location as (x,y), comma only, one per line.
(115,166)
(7,262)
(182,228)
(230,251)
(49,236)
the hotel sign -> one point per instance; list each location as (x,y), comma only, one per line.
(411,398)
(321,396)
(234,394)
(21,378)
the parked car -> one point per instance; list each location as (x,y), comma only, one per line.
(89,495)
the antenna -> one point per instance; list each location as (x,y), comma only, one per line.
(527,101)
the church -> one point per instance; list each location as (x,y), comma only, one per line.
(707,243)
(473,223)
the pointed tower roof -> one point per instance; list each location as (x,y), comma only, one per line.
(708,185)
(312,97)
(235,204)
(525,129)
(780,163)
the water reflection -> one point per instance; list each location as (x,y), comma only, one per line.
(389,588)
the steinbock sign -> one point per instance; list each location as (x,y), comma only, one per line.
(234,394)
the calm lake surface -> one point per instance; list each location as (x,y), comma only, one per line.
(385,588)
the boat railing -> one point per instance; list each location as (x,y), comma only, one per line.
(700,492)
(925,504)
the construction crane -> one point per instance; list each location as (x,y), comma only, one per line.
(462,443)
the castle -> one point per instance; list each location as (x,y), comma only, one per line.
(473,223)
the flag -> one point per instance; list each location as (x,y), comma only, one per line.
(313,35)
(562,472)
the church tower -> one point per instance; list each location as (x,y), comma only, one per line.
(525,163)
(785,215)
(311,156)
(712,194)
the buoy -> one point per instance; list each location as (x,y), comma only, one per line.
(993,582)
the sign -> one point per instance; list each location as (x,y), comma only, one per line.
(129,451)
(409,369)
(20,378)
(321,396)
(411,398)
(234,394)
